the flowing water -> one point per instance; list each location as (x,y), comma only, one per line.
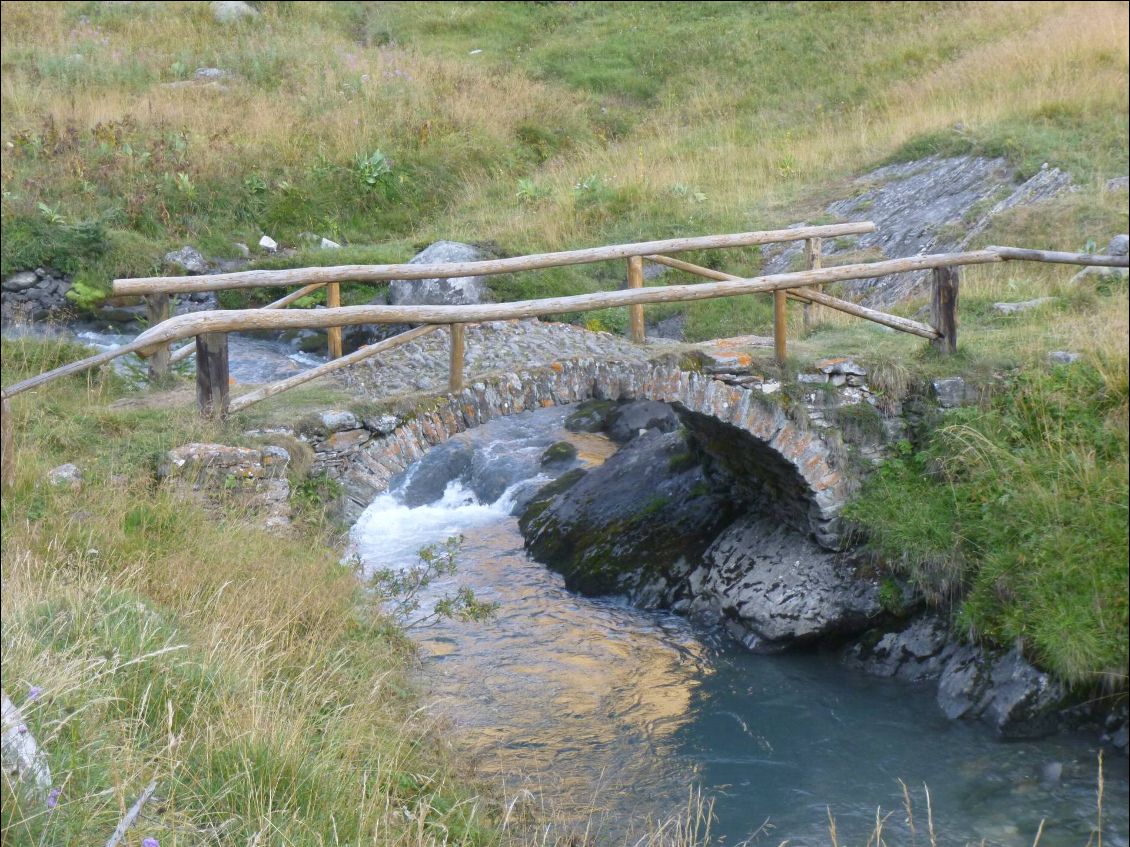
(251,360)
(603,709)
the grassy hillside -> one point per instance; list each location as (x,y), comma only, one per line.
(525,125)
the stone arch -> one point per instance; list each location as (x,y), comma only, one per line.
(366,460)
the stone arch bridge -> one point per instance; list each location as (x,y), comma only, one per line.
(798,464)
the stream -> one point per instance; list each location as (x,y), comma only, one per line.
(610,715)
(252,360)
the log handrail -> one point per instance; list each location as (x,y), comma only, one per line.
(486,267)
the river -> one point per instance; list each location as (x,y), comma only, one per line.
(610,715)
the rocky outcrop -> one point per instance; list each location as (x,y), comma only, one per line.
(34,295)
(775,588)
(457,291)
(932,205)
(633,525)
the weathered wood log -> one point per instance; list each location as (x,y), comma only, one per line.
(333,334)
(7,444)
(186,326)
(187,350)
(812,261)
(636,328)
(455,372)
(241,402)
(780,326)
(183,326)
(157,309)
(1095,260)
(945,285)
(809,295)
(131,815)
(377,273)
(212,374)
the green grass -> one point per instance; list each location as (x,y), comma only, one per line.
(607,122)
(241,668)
(1019,519)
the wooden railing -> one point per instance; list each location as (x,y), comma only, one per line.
(210,328)
(156,290)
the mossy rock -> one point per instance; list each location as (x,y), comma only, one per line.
(559,453)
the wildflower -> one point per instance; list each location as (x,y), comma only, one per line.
(53,797)
(34,693)
(150,842)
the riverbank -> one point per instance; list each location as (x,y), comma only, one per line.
(149,637)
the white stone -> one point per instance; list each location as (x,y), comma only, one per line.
(232,11)
(327,244)
(269,244)
(68,475)
(1023,306)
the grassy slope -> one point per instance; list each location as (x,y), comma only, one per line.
(282,707)
(576,124)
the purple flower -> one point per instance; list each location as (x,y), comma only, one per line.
(150,842)
(53,797)
(34,693)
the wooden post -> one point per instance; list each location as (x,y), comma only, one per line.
(157,306)
(780,324)
(212,374)
(946,282)
(333,334)
(635,313)
(7,447)
(455,376)
(812,261)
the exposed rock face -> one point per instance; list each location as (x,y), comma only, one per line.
(213,473)
(34,295)
(931,205)
(629,420)
(458,291)
(1004,690)
(65,476)
(1020,307)
(918,652)
(776,588)
(638,521)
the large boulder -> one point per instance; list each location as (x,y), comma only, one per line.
(457,291)
(776,588)
(635,524)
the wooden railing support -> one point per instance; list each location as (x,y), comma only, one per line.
(812,261)
(7,446)
(945,285)
(157,308)
(455,375)
(635,313)
(333,334)
(212,375)
(780,325)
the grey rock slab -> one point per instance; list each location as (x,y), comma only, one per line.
(953,391)
(232,11)
(189,259)
(20,281)
(1119,245)
(22,755)
(68,475)
(1063,357)
(456,291)
(338,420)
(1020,307)
(783,588)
